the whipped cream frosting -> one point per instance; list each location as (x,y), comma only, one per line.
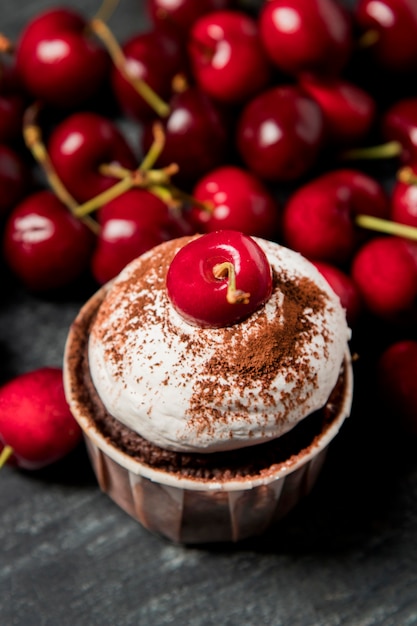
(194,389)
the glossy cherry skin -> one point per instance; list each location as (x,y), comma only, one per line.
(343,285)
(349,111)
(182,13)
(35,419)
(399,123)
(15,178)
(385,272)
(396,376)
(79,145)
(200,297)
(395,24)
(154,57)
(44,245)
(306,35)
(227,58)
(280,133)
(196,135)
(130,225)
(236,200)
(59,62)
(318,218)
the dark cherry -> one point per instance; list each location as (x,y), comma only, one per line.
(227,58)
(12,104)
(349,111)
(82,142)
(319,217)
(44,245)
(280,133)
(196,135)
(59,60)
(219,279)
(183,13)
(390,26)
(306,35)
(385,272)
(15,178)
(344,286)
(130,225)
(154,57)
(399,123)
(235,199)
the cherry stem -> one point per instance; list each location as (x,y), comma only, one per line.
(407,175)
(33,140)
(143,89)
(106,10)
(384,151)
(233,295)
(5,454)
(386,226)
(368,38)
(6,46)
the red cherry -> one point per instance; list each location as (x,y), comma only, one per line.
(306,35)
(343,285)
(397,375)
(227,58)
(236,200)
(349,111)
(399,123)
(385,271)
(44,244)
(196,136)
(14,179)
(154,57)
(218,279)
(393,24)
(79,145)
(183,13)
(130,225)
(280,133)
(404,201)
(35,420)
(59,62)
(318,218)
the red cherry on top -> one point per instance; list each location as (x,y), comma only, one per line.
(79,145)
(35,420)
(393,24)
(306,35)
(280,133)
(226,56)
(236,200)
(219,279)
(58,60)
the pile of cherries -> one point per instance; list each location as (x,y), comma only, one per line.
(293,120)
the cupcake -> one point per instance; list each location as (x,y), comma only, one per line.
(208,418)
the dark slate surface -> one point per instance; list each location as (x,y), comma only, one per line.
(69,556)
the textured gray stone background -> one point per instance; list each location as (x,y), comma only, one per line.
(70,557)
